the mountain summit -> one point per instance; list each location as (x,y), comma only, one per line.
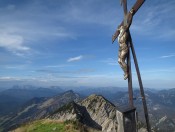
(95,112)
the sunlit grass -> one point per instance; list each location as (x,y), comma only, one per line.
(47,126)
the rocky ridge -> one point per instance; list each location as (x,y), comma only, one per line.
(94,111)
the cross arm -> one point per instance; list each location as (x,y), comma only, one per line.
(131,13)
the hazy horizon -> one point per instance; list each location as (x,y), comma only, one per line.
(28,86)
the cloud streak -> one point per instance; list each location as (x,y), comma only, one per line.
(167,56)
(77,58)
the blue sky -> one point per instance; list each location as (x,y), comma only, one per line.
(68,43)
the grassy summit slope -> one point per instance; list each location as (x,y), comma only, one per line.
(47,126)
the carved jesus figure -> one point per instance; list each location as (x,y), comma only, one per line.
(123,42)
(123,49)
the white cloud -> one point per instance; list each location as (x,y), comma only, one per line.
(13,42)
(28,24)
(78,58)
(167,56)
(8,78)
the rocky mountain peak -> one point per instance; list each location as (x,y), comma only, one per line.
(96,99)
(94,111)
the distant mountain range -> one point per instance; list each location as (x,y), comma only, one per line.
(11,99)
(56,104)
(38,108)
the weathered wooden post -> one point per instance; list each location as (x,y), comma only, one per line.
(127,121)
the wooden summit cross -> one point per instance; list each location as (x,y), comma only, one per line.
(127,23)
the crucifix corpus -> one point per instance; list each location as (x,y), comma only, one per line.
(125,45)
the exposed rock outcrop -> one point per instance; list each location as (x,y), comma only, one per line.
(94,111)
